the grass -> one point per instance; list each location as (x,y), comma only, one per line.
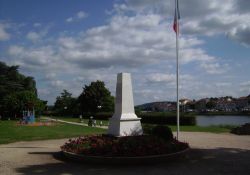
(11,132)
(212,129)
(77,120)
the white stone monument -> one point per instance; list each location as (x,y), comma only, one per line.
(124,122)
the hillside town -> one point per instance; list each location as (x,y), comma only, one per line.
(213,104)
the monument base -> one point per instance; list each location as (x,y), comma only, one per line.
(125,126)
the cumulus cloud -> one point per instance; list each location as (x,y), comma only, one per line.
(241,34)
(207,18)
(37,24)
(81,14)
(135,42)
(4,35)
(214,68)
(125,43)
(37,36)
(78,16)
(245,87)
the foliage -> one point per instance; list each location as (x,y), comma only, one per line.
(163,132)
(15,102)
(242,130)
(211,104)
(170,120)
(128,146)
(16,91)
(65,104)
(96,98)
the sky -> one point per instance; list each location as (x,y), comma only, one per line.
(66,44)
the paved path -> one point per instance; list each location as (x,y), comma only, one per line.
(211,154)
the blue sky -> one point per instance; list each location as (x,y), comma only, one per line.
(65,44)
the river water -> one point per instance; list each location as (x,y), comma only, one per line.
(202,120)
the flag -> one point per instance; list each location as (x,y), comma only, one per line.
(176,17)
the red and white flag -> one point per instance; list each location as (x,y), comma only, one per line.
(176,18)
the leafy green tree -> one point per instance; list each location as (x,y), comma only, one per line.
(65,104)
(15,103)
(96,98)
(211,104)
(15,90)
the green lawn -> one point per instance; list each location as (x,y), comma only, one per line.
(11,132)
(213,129)
(77,120)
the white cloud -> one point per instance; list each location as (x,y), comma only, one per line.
(81,14)
(4,35)
(36,36)
(245,87)
(135,42)
(78,16)
(33,36)
(126,43)
(223,84)
(160,77)
(37,24)
(214,68)
(207,18)
(69,19)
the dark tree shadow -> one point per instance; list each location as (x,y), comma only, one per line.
(197,161)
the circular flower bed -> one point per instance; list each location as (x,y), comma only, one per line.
(128,146)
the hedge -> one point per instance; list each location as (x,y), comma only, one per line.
(161,120)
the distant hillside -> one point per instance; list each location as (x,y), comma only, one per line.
(157,106)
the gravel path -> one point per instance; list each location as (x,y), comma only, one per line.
(210,154)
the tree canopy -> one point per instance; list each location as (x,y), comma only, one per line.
(17,91)
(65,104)
(94,98)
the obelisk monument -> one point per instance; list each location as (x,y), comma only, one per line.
(124,122)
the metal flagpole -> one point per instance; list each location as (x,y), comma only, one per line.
(177,68)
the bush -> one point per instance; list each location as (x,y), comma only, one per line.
(164,120)
(242,130)
(163,132)
(127,146)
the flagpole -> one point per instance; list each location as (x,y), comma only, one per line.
(177,71)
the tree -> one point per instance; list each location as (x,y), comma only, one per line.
(65,104)
(15,103)
(211,104)
(96,98)
(15,90)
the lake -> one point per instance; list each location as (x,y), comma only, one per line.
(202,120)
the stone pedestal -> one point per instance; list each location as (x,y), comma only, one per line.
(124,122)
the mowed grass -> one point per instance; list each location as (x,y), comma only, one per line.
(11,132)
(84,120)
(212,129)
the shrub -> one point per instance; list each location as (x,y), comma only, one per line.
(127,146)
(167,120)
(163,132)
(242,130)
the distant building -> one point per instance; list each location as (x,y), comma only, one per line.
(242,102)
(184,105)
(226,104)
